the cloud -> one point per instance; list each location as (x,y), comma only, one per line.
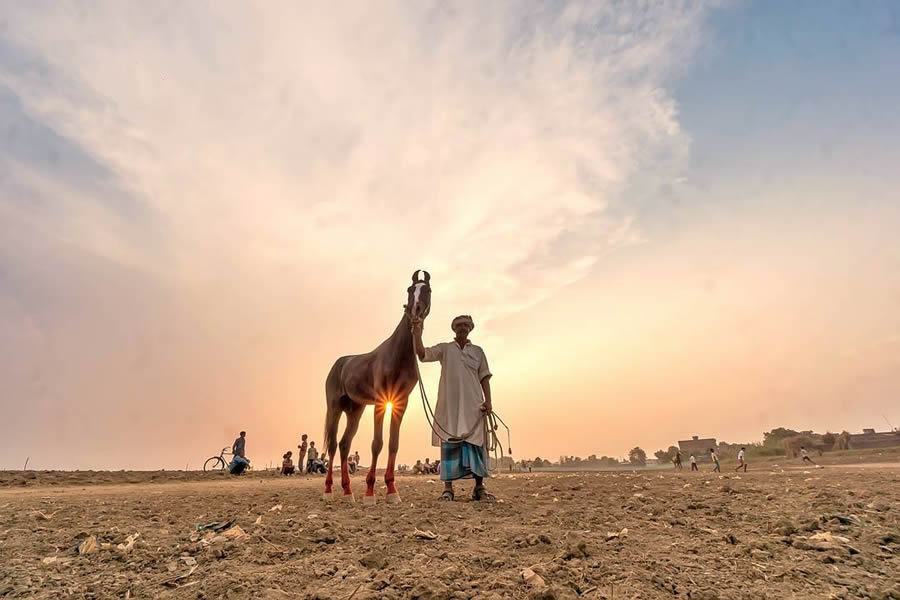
(253,160)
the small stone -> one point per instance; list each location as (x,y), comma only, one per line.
(532,579)
(554,592)
(373,560)
(324,536)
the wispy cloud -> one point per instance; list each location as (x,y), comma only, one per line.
(195,152)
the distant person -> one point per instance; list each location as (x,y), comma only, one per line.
(304,447)
(238,448)
(418,468)
(356,458)
(804,456)
(741,463)
(694,463)
(239,462)
(312,454)
(677,460)
(715,460)
(287,463)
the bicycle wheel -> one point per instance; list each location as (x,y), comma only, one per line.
(214,463)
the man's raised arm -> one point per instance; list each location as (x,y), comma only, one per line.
(417,339)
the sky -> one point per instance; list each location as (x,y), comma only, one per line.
(666,218)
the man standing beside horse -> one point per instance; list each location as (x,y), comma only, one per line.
(464,398)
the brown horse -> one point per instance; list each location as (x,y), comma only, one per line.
(384,377)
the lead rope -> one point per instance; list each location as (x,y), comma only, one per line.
(489,420)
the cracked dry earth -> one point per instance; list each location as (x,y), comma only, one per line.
(770,533)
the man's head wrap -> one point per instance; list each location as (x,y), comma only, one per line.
(463,319)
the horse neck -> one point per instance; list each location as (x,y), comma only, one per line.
(400,344)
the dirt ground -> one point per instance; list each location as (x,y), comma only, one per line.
(768,533)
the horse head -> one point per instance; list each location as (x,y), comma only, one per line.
(418,301)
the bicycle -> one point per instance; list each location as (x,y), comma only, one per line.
(218,463)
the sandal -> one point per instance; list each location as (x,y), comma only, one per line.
(446,496)
(480,494)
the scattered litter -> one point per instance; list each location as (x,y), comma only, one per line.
(424,535)
(532,579)
(234,532)
(189,560)
(828,537)
(216,526)
(128,546)
(173,582)
(312,516)
(49,560)
(687,485)
(88,546)
(274,508)
(638,495)
(258,520)
(556,499)
(43,516)
(617,534)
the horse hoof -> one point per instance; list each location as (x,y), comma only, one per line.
(328,496)
(350,498)
(393,498)
(368,500)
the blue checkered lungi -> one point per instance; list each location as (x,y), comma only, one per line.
(462,460)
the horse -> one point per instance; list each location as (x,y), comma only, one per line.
(384,378)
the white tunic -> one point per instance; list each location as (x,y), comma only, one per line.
(458,408)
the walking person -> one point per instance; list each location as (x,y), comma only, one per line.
(301,457)
(694,463)
(741,463)
(804,456)
(464,398)
(715,460)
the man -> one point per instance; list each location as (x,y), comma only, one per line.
(303,446)
(741,463)
(464,398)
(239,461)
(312,454)
(715,460)
(804,455)
(694,463)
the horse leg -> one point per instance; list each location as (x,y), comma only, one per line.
(393,445)
(377,445)
(353,416)
(332,420)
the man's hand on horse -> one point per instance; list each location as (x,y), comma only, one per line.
(486,407)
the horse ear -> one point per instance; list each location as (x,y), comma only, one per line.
(427,276)
(415,276)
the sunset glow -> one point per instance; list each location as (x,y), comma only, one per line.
(662,226)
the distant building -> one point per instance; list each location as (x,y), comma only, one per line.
(698,447)
(869,438)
